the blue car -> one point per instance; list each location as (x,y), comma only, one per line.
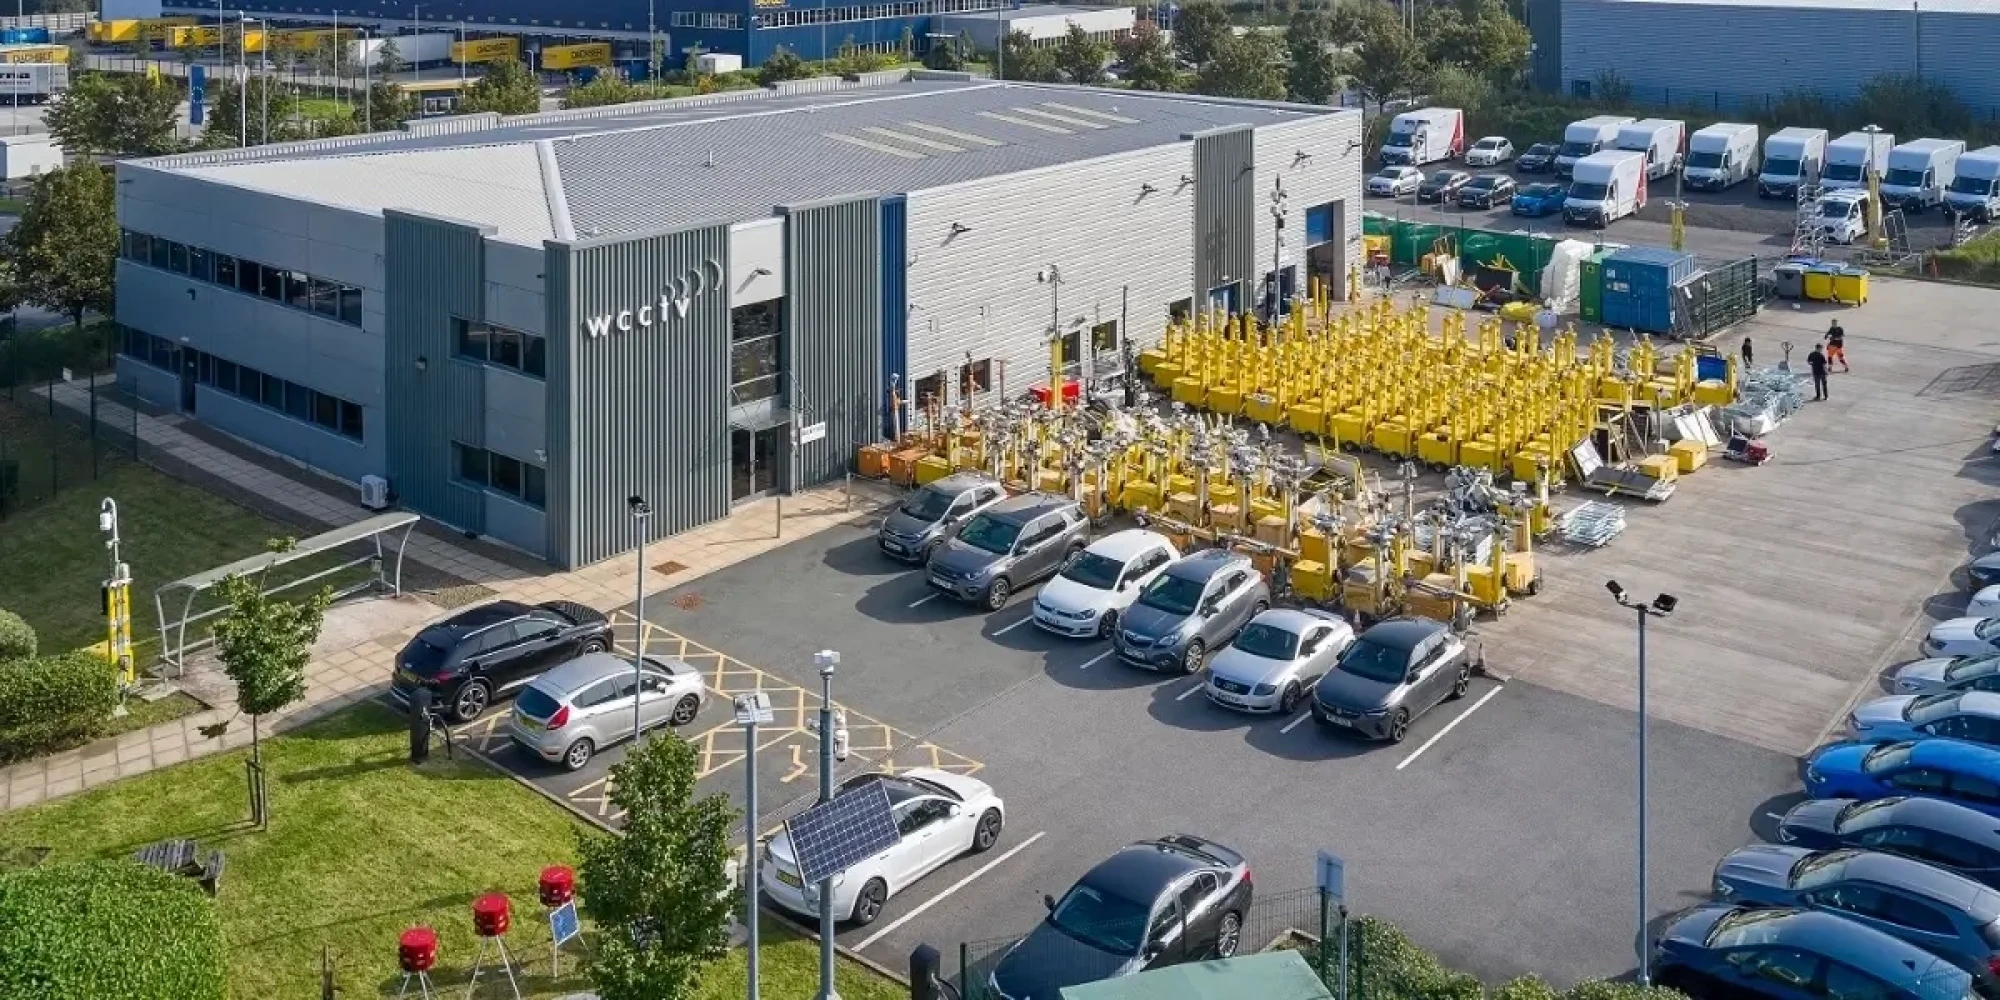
(1935,832)
(1952,770)
(1537,200)
(1719,950)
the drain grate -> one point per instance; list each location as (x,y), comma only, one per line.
(686,602)
(669,568)
(451,598)
(1983,379)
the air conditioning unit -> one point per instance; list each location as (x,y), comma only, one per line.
(374,492)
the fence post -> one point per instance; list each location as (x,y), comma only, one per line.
(965,988)
(93,425)
(1325,942)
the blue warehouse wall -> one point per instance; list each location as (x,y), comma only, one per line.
(895,306)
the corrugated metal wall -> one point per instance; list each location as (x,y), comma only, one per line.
(1317,161)
(434,269)
(1545,21)
(895,305)
(644,412)
(1225,211)
(1963,51)
(833,300)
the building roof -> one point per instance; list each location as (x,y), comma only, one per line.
(1277,975)
(671,165)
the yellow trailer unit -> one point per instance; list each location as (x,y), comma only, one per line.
(577,56)
(486,50)
(58,54)
(310,39)
(127,30)
(209,36)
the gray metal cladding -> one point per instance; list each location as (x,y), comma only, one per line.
(1225,209)
(833,325)
(1962,51)
(434,269)
(641,411)
(1545,20)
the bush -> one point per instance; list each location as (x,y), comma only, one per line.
(1389,966)
(52,703)
(107,930)
(17,637)
(1977,260)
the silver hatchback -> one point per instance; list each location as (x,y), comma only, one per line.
(926,518)
(568,714)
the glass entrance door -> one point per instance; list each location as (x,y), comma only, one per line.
(753,461)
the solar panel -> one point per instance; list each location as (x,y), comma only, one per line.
(838,834)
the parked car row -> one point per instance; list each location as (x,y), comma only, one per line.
(1606,187)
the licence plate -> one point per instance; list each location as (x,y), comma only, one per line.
(790,879)
(1338,721)
(407,677)
(1227,699)
(893,547)
(528,723)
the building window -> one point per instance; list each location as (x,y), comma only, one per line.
(502,474)
(225,271)
(271,284)
(302,403)
(1180,311)
(296,289)
(756,351)
(1072,354)
(497,345)
(929,391)
(200,264)
(1104,338)
(975,377)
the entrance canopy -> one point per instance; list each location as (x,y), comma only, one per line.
(381,577)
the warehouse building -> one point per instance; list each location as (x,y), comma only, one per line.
(520,323)
(1740,55)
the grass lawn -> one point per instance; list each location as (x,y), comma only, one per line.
(12,206)
(360,847)
(323,107)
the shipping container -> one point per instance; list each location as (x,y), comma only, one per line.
(24,36)
(1641,288)
(1590,286)
(486,50)
(593,54)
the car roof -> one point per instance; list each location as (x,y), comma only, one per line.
(588,669)
(959,482)
(1141,871)
(1027,506)
(1125,544)
(1958,755)
(1205,564)
(900,788)
(1863,947)
(1296,619)
(1985,704)
(1948,818)
(1844,194)
(1402,633)
(1491,138)
(484,616)
(1976,900)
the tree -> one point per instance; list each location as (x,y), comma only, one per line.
(17,637)
(1479,36)
(1199,31)
(944,55)
(1148,59)
(263,104)
(115,115)
(1313,76)
(65,247)
(1248,66)
(853,60)
(661,894)
(1081,57)
(1912,105)
(264,643)
(784,64)
(603,89)
(907,44)
(1388,62)
(1023,60)
(389,59)
(388,107)
(508,88)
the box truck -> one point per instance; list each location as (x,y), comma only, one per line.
(1850,159)
(1588,136)
(411,49)
(33,83)
(1720,156)
(1793,158)
(1919,171)
(1606,187)
(1426,135)
(1659,139)
(1976,189)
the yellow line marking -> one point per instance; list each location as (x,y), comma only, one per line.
(798,765)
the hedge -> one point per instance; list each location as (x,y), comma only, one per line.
(1384,964)
(53,702)
(17,637)
(1977,260)
(108,930)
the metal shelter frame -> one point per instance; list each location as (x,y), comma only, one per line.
(174,645)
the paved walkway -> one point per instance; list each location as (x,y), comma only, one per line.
(361,638)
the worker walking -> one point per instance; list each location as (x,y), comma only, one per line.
(1836,346)
(1748,360)
(1817,360)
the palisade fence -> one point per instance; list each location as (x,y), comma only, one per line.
(64,422)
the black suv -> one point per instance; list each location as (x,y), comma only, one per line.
(493,649)
(1153,904)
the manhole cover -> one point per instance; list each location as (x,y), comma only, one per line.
(686,602)
(668,568)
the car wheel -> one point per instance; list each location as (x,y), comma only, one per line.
(998,592)
(1107,625)
(578,754)
(593,646)
(684,711)
(987,833)
(868,903)
(1399,726)
(1228,935)
(471,701)
(924,557)
(1195,656)
(1461,683)
(1258,608)
(1289,700)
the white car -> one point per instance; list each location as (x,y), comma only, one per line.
(1490,151)
(942,816)
(1095,588)
(1956,673)
(1392,182)
(1276,660)
(1963,637)
(1985,603)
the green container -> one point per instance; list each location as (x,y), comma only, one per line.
(1590,287)
(1409,243)
(1377,224)
(1525,253)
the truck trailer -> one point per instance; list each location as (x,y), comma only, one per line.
(1852,157)
(1588,136)
(1426,135)
(1605,187)
(1721,156)
(411,49)
(1919,172)
(1975,191)
(32,83)
(1793,158)
(1658,138)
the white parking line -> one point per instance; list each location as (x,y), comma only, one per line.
(926,599)
(1448,727)
(955,886)
(1294,724)
(1192,688)
(1018,622)
(1095,660)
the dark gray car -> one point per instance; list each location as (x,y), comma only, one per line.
(1008,546)
(1197,605)
(926,518)
(1394,673)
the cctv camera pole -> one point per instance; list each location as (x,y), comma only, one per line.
(827,661)
(751,709)
(1662,606)
(641,510)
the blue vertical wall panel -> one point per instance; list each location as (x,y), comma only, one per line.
(895,304)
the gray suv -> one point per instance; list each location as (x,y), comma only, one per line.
(933,514)
(1395,672)
(1010,545)
(1197,605)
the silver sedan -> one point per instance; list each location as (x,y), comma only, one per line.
(1276,659)
(1954,673)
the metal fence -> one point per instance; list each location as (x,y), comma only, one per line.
(58,396)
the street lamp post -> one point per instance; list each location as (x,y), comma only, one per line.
(1661,607)
(367,80)
(641,511)
(827,661)
(752,710)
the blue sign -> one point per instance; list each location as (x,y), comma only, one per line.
(1332,875)
(197,92)
(563,925)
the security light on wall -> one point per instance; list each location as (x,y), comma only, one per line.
(1352,145)
(423,362)
(1187,179)
(762,272)
(1146,189)
(960,229)
(1300,158)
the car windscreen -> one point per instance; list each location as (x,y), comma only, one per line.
(1480,184)
(992,534)
(928,505)
(429,651)
(1747,928)
(1886,758)
(1966,667)
(1172,594)
(1399,140)
(1542,149)
(1930,708)
(1267,641)
(1487,144)
(1781,168)
(1979,186)
(1375,661)
(1862,810)
(1578,150)
(1816,870)
(1705,161)
(1390,176)
(1904,178)
(1836,209)
(1542,190)
(1587,191)
(1095,571)
(536,704)
(1102,920)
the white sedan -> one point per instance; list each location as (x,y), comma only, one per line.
(941,816)
(1276,659)
(1490,151)
(1985,603)
(1395,181)
(1962,637)
(1095,588)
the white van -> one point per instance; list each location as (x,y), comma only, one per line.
(1976,189)
(1919,171)
(1607,186)
(1588,136)
(1720,156)
(1850,158)
(1793,158)
(1658,138)
(1843,215)
(1426,135)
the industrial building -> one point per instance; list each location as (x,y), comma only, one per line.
(1739,55)
(520,323)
